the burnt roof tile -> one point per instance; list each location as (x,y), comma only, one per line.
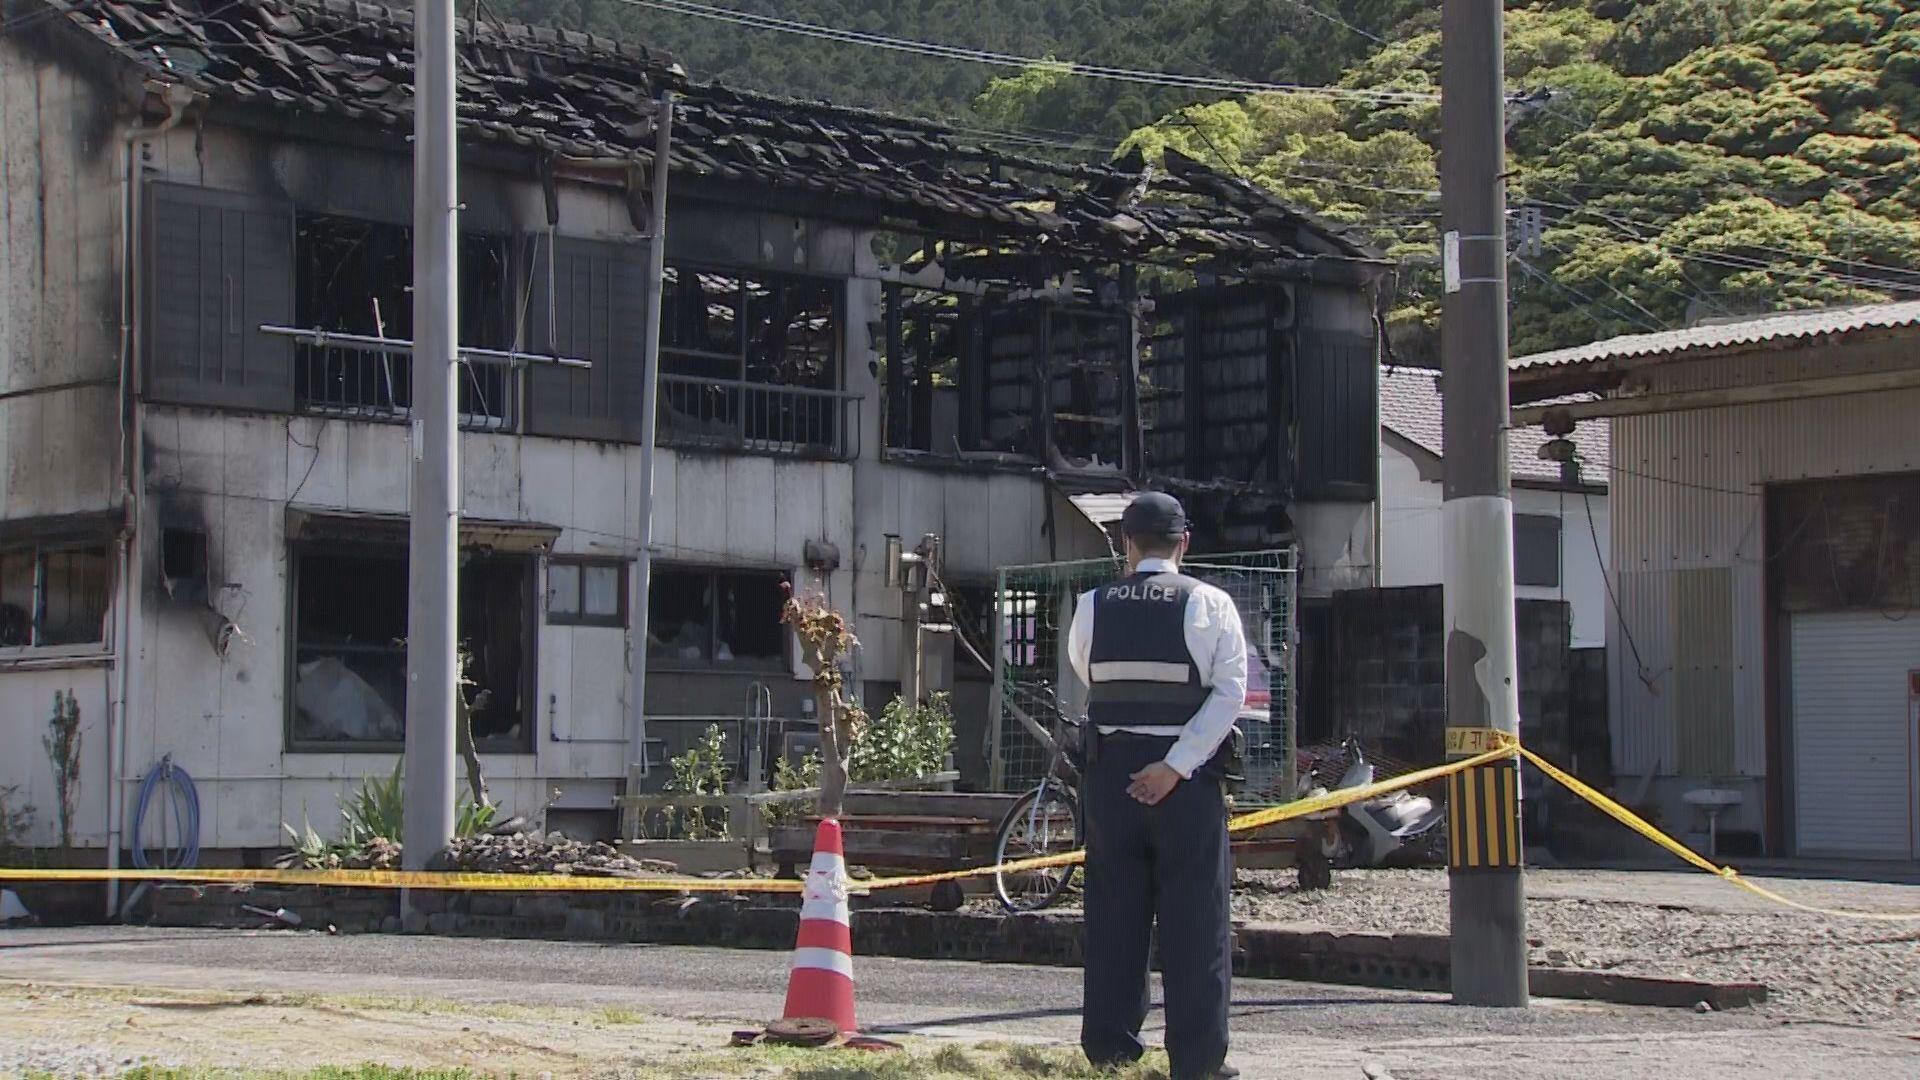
(535,86)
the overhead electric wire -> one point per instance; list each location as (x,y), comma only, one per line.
(1620,220)
(1000,59)
(1336,20)
(1531,271)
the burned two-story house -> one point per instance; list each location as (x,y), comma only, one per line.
(870,328)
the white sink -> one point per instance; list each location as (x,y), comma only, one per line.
(1712,798)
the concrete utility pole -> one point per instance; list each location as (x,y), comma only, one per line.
(649,421)
(433,548)
(1487,894)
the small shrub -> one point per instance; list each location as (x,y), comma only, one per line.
(905,741)
(62,743)
(372,821)
(702,770)
(16,819)
(788,776)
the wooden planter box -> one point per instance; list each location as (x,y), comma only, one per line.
(694,856)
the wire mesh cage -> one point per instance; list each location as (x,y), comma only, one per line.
(1033,608)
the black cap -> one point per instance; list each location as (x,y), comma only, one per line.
(1156,514)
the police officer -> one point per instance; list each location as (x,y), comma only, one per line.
(1164,659)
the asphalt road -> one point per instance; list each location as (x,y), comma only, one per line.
(1280,1029)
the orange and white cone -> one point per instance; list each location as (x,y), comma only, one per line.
(820,986)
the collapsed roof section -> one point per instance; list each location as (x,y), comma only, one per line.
(572,97)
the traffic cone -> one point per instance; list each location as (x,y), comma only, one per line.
(820,986)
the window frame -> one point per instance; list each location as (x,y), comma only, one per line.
(1558,544)
(709,665)
(34,647)
(742,352)
(580,616)
(527,745)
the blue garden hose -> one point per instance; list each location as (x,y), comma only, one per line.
(184,799)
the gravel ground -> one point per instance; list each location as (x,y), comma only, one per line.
(1654,924)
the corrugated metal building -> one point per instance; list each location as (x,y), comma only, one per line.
(1766,553)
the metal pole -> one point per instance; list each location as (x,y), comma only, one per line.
(432,668)
(1487,893)
(649,422)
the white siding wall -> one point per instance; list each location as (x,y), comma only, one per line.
(1687,496)
(1414,551)
(59,359)
(223,718)
(1411,532)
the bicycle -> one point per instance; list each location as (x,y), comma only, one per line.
(1045,821)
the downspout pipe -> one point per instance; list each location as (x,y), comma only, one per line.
(132,477)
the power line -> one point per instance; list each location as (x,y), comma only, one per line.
(1529,270)
(999,59)
(1620,220)
(1614,599)
(1740,262)
(1335,20)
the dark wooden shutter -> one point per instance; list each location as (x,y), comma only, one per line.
(220,264)
(1337,413)
(598,302)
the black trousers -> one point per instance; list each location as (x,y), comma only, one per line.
(1169,861)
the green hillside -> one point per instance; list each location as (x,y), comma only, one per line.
(1672,159)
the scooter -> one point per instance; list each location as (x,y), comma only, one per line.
(1372,830)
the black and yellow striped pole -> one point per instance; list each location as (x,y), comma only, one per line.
(1483,805)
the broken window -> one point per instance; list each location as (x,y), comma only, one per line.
(706,618)
(751,360)
(980,376)
(586,592)
(354,276)
(350,652)
(1088,360)
(932,387)
(51,596)
(1216,404)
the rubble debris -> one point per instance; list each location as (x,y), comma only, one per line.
(553,853)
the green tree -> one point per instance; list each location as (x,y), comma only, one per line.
(1687,157)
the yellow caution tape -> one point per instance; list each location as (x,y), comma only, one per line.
(1505,748)
(472,882)
(1256,819)
(417,879)
(1640,825)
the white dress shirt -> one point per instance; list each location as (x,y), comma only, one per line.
(1219,647)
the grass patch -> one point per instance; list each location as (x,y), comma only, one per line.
(614,1016)
(351,1072)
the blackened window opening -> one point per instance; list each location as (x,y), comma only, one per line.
(1088,361)
(53,596)
(746,357)
(704,618)
(967,375)
(350,655)
(354,276)
(932,387)
(1215,403)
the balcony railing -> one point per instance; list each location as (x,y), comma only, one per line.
(724,414)
(377,384)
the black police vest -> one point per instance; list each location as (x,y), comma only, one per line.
(1140,672)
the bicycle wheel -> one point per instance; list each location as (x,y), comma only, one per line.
(1046,821)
